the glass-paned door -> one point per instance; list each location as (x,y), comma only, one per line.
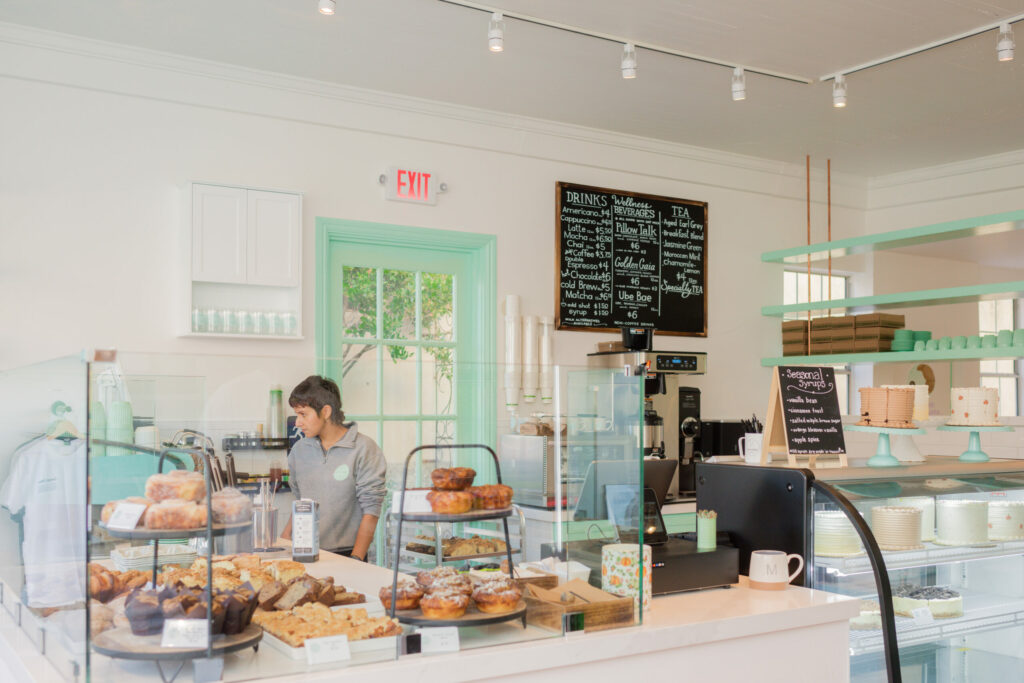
(398,349)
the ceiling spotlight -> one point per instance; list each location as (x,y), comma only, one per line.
(628,61)
(839,91)
(496,33)
(1005,45)
(739,84)
(326,7)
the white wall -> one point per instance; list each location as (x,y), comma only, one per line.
(99,142)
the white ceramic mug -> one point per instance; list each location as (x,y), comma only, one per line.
(769,569)
(750,448)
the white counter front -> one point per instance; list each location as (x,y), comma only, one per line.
(734,634)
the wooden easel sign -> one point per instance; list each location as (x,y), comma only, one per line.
(803,416)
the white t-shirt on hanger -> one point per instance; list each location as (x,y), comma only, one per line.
(48,482)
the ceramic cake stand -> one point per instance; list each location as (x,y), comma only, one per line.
(883,456)
(974,452)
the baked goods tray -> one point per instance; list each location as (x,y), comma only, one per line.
(159,534)
(457,558)
(471,516)
(121,643)
(472,617)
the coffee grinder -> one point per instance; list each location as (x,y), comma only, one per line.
(662,372)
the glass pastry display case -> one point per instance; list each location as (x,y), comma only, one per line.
(91,441)
(934,552)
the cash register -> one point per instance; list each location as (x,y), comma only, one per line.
(676,563)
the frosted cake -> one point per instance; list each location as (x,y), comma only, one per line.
(943,603)
(896,528)
(927,506)
(920,398)
(834,535)
(974,407)
(962,522)
(891,408)
(1006,520)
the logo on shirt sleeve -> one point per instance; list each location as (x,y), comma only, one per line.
(341,473)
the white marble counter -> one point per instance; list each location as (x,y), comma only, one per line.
(726,634)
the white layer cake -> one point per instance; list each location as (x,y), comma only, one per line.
(896,527)
(962,522)
(870,617)
(1006,520)
(943,603)
(920,398)
(927,506)
(974,406)
(834,535)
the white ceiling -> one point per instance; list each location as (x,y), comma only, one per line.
(956,102)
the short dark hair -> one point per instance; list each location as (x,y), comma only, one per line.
(316,392)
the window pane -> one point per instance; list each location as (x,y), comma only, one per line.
(359,289)
(838,287)
(1004,314)
(789,288)
(438,381)
(1008,396)
(399,389)
(986,317)
(988,367)
(397,439)
(359,379)
(441,432)
(1005,367)
(843,391)
(437,302)
(399,304)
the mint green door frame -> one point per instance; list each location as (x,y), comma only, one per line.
(476,296)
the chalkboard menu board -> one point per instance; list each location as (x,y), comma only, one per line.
(810,408)
(628,259)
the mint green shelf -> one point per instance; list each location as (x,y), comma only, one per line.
(968,227)
(898,356)
(924,297)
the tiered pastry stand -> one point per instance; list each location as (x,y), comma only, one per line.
(472,617)
(883,456)
(121,643)
(974,452)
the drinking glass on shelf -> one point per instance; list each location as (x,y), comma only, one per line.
(198,319)
(243,322)
(273,322)
(290,323)
(258,323)
(227,321)
(210,320)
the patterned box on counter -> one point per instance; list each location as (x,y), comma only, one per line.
(794,326)
(821,335)
(795,337)
(843,321)
(823,323)
(843,345)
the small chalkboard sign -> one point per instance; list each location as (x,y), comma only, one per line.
(626,259)
(803,415)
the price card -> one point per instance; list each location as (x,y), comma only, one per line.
(328,649)
(922,616)
(439,639)
(185,633)
(126,516)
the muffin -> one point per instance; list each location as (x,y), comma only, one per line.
(497,597)
(452,479)
(444,605)
(450,502)
(408,596)
(427,578)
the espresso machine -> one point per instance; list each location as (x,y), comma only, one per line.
(665,402)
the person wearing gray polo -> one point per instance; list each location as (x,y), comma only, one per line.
(342,470)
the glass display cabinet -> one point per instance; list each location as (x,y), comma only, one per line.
(934,552)
(84,434)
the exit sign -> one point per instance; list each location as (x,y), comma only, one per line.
(409,185)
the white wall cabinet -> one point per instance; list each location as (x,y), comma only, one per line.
(274,231)
(219,233)
(245,257)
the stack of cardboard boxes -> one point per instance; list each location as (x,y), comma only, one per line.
(840,334)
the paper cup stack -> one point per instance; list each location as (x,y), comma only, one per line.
(120,427)
(620,572)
